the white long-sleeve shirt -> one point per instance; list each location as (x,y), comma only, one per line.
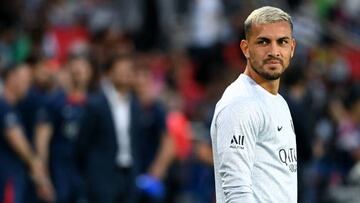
(254,146)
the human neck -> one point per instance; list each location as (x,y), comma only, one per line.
(78,92)
(77,89)
(272,86)
(122,90)
(9,96)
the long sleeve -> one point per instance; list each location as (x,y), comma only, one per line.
(237,127)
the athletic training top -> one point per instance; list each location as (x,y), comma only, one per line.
(254,146)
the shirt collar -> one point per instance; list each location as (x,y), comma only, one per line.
(111,93)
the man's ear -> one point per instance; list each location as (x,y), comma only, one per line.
(244,46)
(293,45)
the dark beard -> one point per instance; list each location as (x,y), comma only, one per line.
(265,75)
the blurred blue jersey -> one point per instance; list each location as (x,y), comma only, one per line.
(12,171)
(64,113)
(32,110)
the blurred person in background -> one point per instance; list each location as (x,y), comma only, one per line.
(345,112)
(32,108)
(16,154)
(55,143)
(157,147)
(108,145)
(32,105)
(179,128)
(344,175)
(200,174)
(300,103)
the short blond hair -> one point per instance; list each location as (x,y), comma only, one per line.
(264,15)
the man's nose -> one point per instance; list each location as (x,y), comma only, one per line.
(274,50)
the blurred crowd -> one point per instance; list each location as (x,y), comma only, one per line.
(111,100)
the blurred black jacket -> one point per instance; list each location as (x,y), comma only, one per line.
(97,150)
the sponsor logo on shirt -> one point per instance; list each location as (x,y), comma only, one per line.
(289,158)
(237,141)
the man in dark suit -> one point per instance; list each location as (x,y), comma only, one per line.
(107,144)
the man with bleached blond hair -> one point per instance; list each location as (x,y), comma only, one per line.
(253,139)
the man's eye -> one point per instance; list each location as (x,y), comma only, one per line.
(284,42)
(262,42)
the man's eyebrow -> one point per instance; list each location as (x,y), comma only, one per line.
(266,38)
(282,38)
(263,38)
